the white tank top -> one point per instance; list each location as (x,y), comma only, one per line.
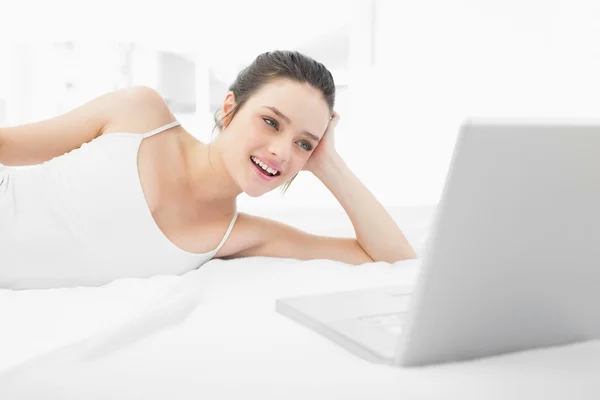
(82,219)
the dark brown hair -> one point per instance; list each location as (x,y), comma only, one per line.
(279,64)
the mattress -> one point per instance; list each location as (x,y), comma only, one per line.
(214,332)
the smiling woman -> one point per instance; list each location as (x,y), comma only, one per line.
(123,190)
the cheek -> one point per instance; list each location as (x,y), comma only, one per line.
(253,135)
(251,145)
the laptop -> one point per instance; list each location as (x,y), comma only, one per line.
(512,262)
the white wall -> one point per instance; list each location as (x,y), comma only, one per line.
(438,62)
(416,70)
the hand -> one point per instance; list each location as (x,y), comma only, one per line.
(325,150)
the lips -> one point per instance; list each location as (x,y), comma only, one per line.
(262,173)
(261,168)
(269,164)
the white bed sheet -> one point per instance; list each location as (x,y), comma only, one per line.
(214,332)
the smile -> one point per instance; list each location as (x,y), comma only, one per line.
(262,174)
(267,171)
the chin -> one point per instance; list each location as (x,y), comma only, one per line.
(257,192)
(253,194)
(253,190)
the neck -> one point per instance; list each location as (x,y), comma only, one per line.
(208,179)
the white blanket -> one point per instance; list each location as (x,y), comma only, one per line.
(214,333)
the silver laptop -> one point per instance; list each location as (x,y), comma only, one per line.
(512,262)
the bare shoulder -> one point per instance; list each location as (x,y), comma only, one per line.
(143,110)
(256,236)
(131,109)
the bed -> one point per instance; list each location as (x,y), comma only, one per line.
(213,333)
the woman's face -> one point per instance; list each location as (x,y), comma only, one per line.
(280,125)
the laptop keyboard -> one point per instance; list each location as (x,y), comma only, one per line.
(391,323)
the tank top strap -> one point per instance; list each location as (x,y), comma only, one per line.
(228,232)
(160,129)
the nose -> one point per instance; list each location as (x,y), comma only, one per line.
(281,149)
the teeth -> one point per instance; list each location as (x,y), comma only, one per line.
(264,166)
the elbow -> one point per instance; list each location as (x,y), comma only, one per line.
(402,256)
(409,254)
(2,140)
(389,255)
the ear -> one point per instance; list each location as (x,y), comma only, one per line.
(228,105)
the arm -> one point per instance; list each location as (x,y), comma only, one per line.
(36,142)
(376,231)
(263,237)
(378,236)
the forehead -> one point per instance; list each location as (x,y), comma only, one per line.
(300,102)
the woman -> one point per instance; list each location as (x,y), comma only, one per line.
(118,188)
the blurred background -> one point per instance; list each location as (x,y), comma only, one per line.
(408,73)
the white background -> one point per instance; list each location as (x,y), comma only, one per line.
(408,72)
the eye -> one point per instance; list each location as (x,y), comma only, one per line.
(308,146)
(275,124)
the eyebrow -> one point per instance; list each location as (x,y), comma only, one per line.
(276,111)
